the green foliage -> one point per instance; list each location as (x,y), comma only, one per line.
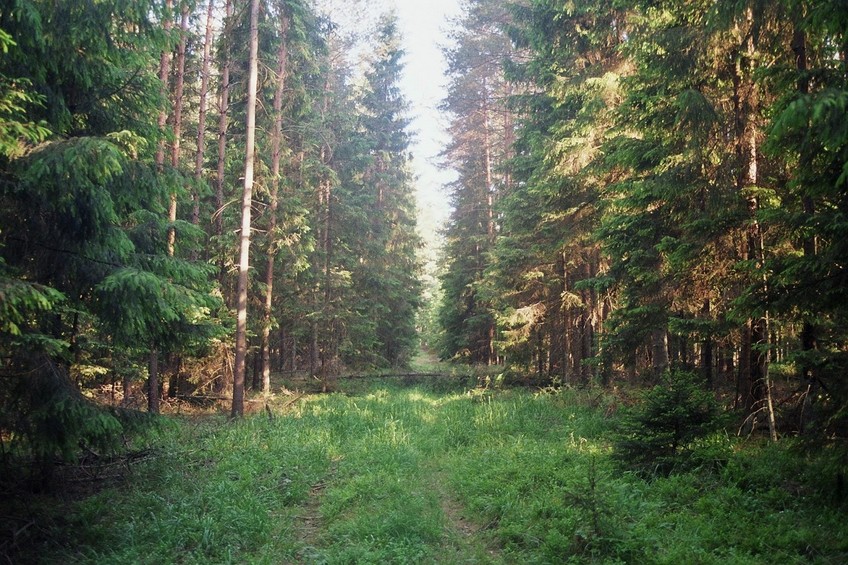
(21,302)
(92,221)
(662,432)
(89,71)
(45,421)
(477,152)
(85,276)
(375,243)
(387,473)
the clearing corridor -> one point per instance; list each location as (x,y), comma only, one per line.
(387,493)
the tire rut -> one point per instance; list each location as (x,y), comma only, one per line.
(465,541)
(309,523)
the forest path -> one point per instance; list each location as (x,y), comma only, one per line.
(389,494)
(309,523)
(464,540)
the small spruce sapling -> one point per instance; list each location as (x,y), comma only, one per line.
(660,432)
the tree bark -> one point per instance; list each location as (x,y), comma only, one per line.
(201,113)
(659,350)
(754,354)
(809,331)
(178,124)
(276,156)
(490,208)
(153,382)
(164,72)
(759,331)
(247,199)
(707,348)
(223,124)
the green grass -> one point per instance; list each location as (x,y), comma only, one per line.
(438,474)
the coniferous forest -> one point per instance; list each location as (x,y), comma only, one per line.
(215,306)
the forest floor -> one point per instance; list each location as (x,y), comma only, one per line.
(388,471)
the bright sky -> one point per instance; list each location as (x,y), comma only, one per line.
(423,26)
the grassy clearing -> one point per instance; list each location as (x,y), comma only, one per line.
(435,474)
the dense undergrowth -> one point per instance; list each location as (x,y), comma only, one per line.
(391,473)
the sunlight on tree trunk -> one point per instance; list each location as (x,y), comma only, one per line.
(247,200)
(179,87)
(164,73)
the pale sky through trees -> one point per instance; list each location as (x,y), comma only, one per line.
(423,25)
(424,28)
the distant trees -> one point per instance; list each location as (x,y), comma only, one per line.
(673,193)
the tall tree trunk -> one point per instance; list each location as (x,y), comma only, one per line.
(487,167)
(178,123)
(223,125)
(745,339)
(707,348)
(179,87)
(489,347)
(587,322)
(659,350)
(754,355)
(164,73)
(559,325)
(329,343)
(759,331)
(276,156)
(508,142)
(153,382)
(247,199)
(201,113)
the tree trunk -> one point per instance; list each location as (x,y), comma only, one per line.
(759,332)
(276,156)
(164,72)
(659,350)
(223,124)
(707,348)
(754,354)
(178,124)
(201,114)
(153,382)
(490,208)
(487,167)
(587,330)
(809,331)
(128,390)
(247,199)
(559,333)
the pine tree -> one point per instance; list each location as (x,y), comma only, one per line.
(807,283)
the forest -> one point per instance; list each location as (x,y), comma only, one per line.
(217,308)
